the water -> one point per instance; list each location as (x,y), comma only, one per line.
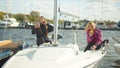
(111,59)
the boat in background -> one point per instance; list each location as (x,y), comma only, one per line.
(12,22)
(26,25)
(67,25)
(4,53)
(4,24)
(9,22)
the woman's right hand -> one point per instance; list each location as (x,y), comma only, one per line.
(37,25)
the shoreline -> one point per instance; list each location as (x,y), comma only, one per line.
(63,28)
(83,29)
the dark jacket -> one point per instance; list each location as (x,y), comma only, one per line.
(40,31)
(41,34)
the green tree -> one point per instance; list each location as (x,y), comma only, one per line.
(35,16)
(107,22)
(1,15)
(61,22)
(29,18)
(20,17)
(49,21)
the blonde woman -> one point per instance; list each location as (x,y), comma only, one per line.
(41,31)
(94,36)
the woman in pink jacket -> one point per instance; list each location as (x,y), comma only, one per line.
(94,36)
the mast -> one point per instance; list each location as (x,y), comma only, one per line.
(56,6)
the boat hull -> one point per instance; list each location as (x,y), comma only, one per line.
(54,57)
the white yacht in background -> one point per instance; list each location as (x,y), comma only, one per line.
(4,24)
(9,22)
(12,22)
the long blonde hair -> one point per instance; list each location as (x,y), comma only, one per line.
(45,23)
(90,23)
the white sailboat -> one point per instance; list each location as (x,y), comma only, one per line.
(9,22)
(59,56)
(54,57)
(12,22)
(4,24)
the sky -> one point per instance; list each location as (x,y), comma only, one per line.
(85,9)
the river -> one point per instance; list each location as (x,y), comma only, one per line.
(111,59)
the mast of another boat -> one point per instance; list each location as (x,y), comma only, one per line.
(7,16)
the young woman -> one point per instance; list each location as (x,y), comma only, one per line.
(41,31)
(94,36)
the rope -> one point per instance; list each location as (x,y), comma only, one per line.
(102,9)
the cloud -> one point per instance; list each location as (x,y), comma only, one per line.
(101,1)
(85,8)
(45,7)
(118,9)
(88,1)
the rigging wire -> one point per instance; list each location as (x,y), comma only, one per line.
(6,16)
(102,11)
(103,15)
(93,10)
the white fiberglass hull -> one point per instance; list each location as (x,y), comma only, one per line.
(117,48)
(54,57)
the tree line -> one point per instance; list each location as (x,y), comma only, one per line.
(33,17)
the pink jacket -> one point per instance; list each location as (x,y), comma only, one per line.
(96,38)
